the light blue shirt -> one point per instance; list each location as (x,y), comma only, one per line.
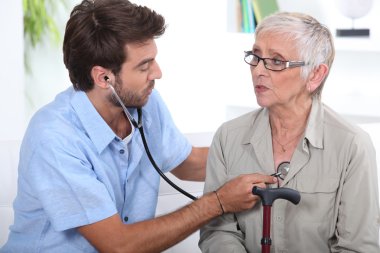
(75,171)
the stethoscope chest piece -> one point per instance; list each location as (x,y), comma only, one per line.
(282,170)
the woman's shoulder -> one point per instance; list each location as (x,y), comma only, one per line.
(343,125)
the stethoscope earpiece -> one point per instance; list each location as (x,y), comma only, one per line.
(107,79)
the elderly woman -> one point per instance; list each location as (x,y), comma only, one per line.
(328,160)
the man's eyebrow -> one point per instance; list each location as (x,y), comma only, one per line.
(145,61)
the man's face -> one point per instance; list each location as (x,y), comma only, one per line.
(135,81)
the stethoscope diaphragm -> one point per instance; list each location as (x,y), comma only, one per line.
(282,170)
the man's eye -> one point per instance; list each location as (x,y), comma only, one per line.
(144,67)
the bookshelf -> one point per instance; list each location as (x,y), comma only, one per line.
(244,15)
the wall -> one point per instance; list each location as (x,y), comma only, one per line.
(12,114)
(204,75)
(192,82)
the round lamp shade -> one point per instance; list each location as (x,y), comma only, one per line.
(354,8)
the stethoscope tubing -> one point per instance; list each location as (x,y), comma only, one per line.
(159,171)
(139,126)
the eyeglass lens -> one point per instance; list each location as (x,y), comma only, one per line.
(271,64)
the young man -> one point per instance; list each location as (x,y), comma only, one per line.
(85,181)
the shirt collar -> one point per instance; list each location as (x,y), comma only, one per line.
(94,125)
(314,129)
(259,126)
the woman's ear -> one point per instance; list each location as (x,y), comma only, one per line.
(101,77)
(316,77)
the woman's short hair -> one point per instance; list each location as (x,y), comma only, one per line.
(312,40)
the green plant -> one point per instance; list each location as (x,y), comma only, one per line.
(39,21)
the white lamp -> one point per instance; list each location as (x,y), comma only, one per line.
(353,9)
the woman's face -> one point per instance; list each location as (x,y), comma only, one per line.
(277,88)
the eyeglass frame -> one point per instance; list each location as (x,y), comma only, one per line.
(288,64)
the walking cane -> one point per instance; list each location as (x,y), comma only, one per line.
(268,196)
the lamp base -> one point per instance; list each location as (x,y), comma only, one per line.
(352,32)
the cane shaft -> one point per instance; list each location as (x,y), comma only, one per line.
(266,240)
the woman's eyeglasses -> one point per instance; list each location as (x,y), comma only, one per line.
(271,63)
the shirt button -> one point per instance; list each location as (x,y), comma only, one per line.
(278,218)
(126,218)
(121,151)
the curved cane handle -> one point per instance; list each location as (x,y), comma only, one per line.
(269,195)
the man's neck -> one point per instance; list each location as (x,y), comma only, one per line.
(113,115)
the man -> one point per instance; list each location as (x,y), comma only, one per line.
(85,181)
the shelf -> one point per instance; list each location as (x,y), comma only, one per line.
(357,44)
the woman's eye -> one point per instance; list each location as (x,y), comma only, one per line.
(276,61)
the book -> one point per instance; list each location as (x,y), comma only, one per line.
(251,17)
(263,8)
(247,14)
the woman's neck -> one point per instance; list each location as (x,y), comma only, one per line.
(288,122)
(287,127)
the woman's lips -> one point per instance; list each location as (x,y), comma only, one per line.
(260,88)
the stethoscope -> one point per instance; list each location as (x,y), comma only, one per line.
(281,173)
(139,126)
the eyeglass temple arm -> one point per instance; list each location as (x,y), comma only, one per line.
(292,64)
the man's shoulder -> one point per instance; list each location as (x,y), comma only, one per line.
(53,121)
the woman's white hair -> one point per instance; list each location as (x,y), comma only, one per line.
(312,40)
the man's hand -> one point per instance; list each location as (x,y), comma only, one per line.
(236,195)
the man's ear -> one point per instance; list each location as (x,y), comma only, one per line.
(101,77)
(316,77)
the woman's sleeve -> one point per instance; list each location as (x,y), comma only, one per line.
(358,214)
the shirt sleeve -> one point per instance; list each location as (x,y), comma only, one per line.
(172,145)
(67,187)
(357,229)
(221,234)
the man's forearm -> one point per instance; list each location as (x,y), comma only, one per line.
(111,235)
(165,231)
(155,235)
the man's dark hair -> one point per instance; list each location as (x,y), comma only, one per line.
(97,32)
